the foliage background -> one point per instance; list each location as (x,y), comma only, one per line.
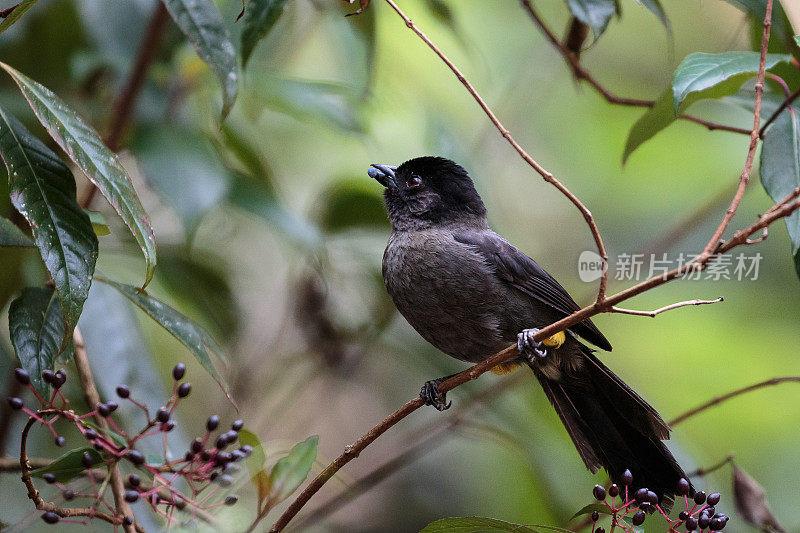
(322,97)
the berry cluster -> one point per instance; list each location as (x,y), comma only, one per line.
(630,509)
(208,466)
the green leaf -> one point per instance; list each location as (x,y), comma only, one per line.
(655,7)
(116,437)
(98,223)
(11,235)
(594,13)
(255,465)
(202,24)
(197,339)
(259,18)
(781,29)
(37,332)
(289,472)
(43,191)
(475,524)
(102,166)
(592,507)
(69,465)
(351,203)
(701,75)
(15,15)
(655,119)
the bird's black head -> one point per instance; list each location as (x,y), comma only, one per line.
(428,191)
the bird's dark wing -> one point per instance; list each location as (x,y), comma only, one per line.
(522,272)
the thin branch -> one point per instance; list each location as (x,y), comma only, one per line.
(10,464)
(660,310)
(701,472)
(548,177)
(733,394)
(744,178)
(786,103)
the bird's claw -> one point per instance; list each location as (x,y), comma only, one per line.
(431,395)
(528,347)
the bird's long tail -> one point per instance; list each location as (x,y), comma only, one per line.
(611,426)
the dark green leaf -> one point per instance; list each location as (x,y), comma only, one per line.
(701,75)
(69,465)
(43,191)
(181,327)
(15,15)
(102,166)
(655,119)
(351,203)
(116,437)
(259,18)
(202,24)
(474,524)
(290,471)
(781,29)
(589,509)
(37,332)
(594,13)
(182,167)
(10,235)
(246,156)
(657,9)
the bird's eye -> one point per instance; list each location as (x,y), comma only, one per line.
(413,182)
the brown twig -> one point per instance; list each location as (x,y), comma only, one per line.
(701,472)
(786,103)
(660,310)
(10,464)
(581,73)
(123,106)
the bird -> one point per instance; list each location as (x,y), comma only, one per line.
(471,293)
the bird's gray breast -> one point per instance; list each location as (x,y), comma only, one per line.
(446,291)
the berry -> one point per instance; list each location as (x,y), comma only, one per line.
(127,521)
(700,498)
(123,391)
(178,371)
(236,455)
(716,524)
(652,497)
(68,494)
(231,468)
(60,378)
(196,446)
(599,530)
(15,403)
(703,521)
(599,492)
(225,480)
(691,524)
(683,486)
(710,510)
(683,515)
(22,376)
(50,517)
(90,434)
(49,478)
(133,480)
(162,415)
(222,458)
(626,478)
(48,376)
(246,450)
(237,425)
(638,518)
(613,490)
(714,498)
(222,441)
(213,475)
(212,422)
(60,441)
(647,507)
(98,446)
(87,460)
(184,389)
(640,495)
(167,426)
(131,496)
(231,499)
(595,516)
(112,405)
(205,455)
(103,409)
(136,457)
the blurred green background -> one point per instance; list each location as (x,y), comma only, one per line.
(271,235)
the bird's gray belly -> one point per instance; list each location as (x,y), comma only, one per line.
(456,310)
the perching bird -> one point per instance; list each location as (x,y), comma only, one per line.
(471,293)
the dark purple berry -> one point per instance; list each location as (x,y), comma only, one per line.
(237,454)
(700,498)
(702,521)
(48,376)
(647,507)
(600,530)
(716,524)
(222,441)
(136,457)
(595,516)
(212,422)
(652,497)
(710,511)
(112,405)
(22,376)
(638,518)
(49,478)
(205,455)
(691,524)
(599,492)
(15,403)
(134,480)
(60,441)
(50,517)
(162,415)
(60,378)
(103,409)
(90,434)
(123,391)
(68,494)
(127,521)
(213,475)
(225,480)
(188,456)
(131,496)
(97,446)
(184,389)
(626,478)
(87,460)
(640,495)
(178,371)
(168,426)
(683,515)
(613,490)
(222,458)
(714,498)
(196,446)
(683,486)
(231,499)
(237,425)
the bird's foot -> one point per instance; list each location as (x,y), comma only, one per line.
(431,394)
(530,349)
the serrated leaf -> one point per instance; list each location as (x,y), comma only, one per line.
(351,203)
(69,465)
(11,235)
(475,524)
(102,166)
(259,18)
(191,335)
(594,13)
(701,75)
(655,119)
(201,22)
(290,471)
(37,331)
(751,502)
(43,190)
(15,15)
(592,507)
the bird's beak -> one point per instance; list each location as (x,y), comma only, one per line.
(383,174)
